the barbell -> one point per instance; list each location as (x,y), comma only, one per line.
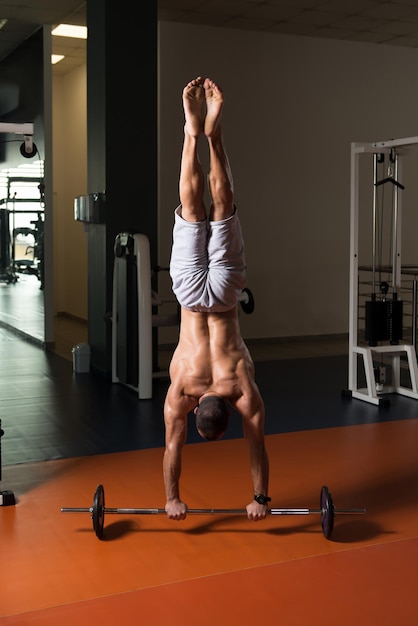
(326,510)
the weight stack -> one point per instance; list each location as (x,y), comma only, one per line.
(1,435)
(7,497)
(132,332)
(5,242)
(384,321)
(125,315)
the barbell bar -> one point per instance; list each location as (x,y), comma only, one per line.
(98,510)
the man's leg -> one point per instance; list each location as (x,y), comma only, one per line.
(227,268)
(220,175)
(189,255)
(191,184)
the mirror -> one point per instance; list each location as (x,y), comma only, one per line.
(22,189)
(22,209)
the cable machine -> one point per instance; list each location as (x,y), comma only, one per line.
(134,317)
(383,311)
(28,150)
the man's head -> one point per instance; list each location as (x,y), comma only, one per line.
(212,417)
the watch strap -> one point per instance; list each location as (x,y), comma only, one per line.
(261,499)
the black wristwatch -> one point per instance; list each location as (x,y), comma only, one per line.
(261,499)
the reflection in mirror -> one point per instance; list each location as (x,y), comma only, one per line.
(22,207)
(22,103)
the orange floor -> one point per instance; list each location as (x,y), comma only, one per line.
(216,569)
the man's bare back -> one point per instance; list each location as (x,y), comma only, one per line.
(211,357)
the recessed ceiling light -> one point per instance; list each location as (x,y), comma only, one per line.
(56,58)
(70,30)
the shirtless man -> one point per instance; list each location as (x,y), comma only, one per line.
(211,368)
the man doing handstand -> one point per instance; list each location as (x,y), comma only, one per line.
(211,368)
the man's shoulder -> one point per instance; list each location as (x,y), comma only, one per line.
(177,401)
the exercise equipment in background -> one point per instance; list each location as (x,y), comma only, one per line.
(377,326)
(7,497)
(7,273)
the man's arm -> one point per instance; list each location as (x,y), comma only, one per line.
(175,419)
(253,417)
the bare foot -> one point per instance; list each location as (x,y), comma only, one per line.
(193,99)
(214,102)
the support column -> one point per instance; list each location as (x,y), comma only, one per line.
(121,148)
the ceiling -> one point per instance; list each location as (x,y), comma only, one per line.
(24,17)
(389,22)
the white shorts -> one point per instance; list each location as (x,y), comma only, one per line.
(207,264)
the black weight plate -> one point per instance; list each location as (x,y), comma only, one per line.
(327,512)
(248,306)
(98,512)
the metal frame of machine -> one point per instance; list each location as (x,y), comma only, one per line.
(392,351)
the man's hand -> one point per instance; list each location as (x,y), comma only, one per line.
(256,512)
(176,509)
